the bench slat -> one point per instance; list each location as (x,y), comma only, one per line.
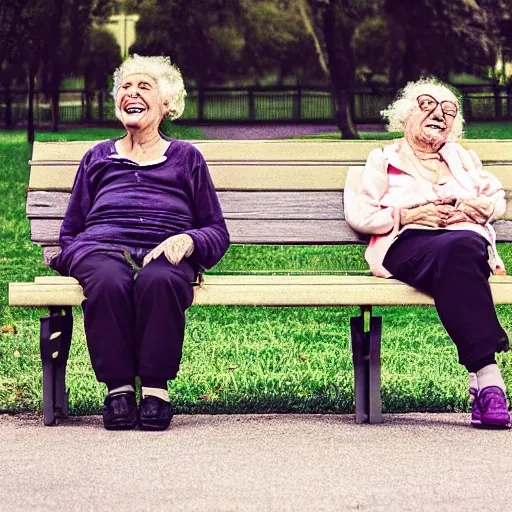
(238,151)
(265,291)
(245,177)
(235,205)
(225,177)
(46,231)
(277,150)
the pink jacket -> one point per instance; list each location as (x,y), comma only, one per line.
(374,208)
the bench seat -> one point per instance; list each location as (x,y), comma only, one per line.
(262,290)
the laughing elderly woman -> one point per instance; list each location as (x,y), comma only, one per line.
(142,220)
(428,205)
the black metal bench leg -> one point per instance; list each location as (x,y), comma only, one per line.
(374,370)
(366,360)
(360,361)
(55,340)
(61,393)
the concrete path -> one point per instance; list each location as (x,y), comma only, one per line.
(412,462)
(272,131)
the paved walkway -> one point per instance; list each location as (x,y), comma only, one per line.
(272,131)
(412,462)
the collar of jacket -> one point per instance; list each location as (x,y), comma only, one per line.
(459,161)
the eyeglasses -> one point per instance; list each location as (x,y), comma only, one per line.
(428,103)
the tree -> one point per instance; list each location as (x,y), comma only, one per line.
(417,38)
(17,34)
(443,36)
(69,25)
(97,64)
(203,38)
(276,40)
(332,24)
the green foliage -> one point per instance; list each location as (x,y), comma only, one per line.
(378,46)
(215,41)
(100,59)
(189,33)
(442,36)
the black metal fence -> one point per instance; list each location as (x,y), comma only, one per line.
(284,104)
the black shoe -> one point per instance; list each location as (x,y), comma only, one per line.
(155,413)
(120,411)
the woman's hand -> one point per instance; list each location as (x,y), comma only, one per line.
(477,210)
(430,214)
(175,249)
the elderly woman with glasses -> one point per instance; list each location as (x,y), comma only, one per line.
(428,205)
(143,219)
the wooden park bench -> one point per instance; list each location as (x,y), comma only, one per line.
(272,192)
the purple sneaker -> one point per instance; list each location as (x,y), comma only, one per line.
(489,409)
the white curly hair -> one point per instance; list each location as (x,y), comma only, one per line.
(398,112)
(167,76)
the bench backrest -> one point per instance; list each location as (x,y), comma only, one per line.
(272,192)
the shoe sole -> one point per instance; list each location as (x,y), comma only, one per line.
(120,425)
(153,426)
(491,426)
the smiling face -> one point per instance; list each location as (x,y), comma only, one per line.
(430,122)
(139,104)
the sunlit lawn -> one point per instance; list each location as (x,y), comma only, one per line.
(236,359)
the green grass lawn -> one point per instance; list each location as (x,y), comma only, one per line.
(236,359)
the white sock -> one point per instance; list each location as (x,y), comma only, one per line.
(473,381)
(158,392)
(126,387)
(490,375)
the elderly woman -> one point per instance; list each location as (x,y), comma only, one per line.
(428,205)
(142,221)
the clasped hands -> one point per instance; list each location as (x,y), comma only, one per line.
(175,248)
(445,212)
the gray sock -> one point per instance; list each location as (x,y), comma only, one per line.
(126,388)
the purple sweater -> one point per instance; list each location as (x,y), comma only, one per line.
(117,205)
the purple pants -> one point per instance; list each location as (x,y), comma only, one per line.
(134,327)
(452,267)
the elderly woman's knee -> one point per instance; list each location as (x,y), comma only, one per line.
(154,275)
(104,276)
(464,251)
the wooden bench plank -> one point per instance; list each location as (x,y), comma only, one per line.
(46,232)
(262,176)
(235,205)
(488,150)
(266,291)
(243,176)
(234,150)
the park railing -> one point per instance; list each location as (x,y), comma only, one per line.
(253,104)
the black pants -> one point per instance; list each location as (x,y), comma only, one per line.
(134,327)
(452,267)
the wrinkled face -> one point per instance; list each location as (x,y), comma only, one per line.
(139,102)
(431,121)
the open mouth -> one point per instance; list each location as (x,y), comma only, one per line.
(435,127)
(134,110)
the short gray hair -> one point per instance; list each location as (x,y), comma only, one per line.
(166,75)
(398,112)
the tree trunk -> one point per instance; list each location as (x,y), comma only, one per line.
(55,109)
(100,105)
(88,105)
(343,102)
(341,68)
(8,109)
(30,113)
